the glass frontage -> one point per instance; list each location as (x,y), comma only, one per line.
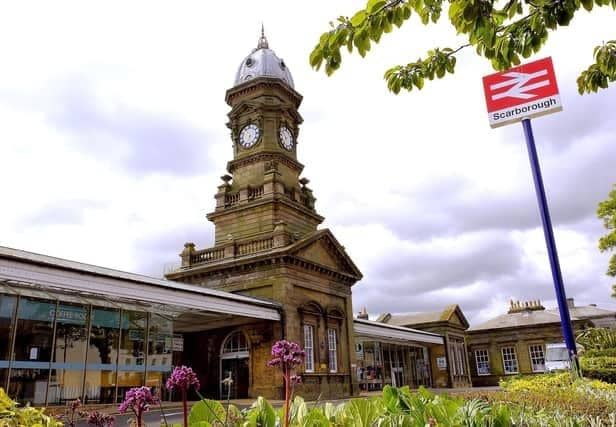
(52,352)
(29,372)
(160,353)
(7,312)
(102,356)
(67,367)
(131,365)
(398,365)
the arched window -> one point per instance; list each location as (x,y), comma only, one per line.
(236,345)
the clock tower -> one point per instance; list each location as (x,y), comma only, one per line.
(263,189)
(267,245)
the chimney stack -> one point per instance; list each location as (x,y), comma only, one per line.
(363,314)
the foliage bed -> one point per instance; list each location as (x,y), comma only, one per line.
(395,408)
(599,359)
(11,415)
(557,394)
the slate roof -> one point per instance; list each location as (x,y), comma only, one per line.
(410,319)
(524,318)
(541,317)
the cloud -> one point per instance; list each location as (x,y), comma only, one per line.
(138,141)
(159,252)
(61,212)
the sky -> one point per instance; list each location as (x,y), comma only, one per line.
(113,139)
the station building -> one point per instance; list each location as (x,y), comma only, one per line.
(71,330)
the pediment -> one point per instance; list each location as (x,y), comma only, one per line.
(320,253)
(453,315)
(323,249)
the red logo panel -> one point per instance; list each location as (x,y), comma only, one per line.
(520,85)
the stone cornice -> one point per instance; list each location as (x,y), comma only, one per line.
(264,156)
(248,263)
(254,84)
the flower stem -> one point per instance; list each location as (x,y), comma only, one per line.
(185,407)
(287,393)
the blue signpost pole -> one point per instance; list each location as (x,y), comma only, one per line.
(561,297)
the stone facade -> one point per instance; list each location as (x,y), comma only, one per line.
(515,342)
(452,325)
(267,245)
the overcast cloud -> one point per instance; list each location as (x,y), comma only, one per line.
(113,139)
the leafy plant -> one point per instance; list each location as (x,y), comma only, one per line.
(13,415)
(499,31)
(287,355)
(182,378)
(138,400)
(597,339)
(606,211)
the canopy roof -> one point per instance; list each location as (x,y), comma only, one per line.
(34,274)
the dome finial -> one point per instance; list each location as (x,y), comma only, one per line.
(262,41)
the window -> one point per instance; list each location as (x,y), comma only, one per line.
(537,358)
(333,353)
(457,355)
(235,343)
(309,348)
(510,360)
(482,360)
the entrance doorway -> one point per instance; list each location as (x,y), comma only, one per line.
(235,365)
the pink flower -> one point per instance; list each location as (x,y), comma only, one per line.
(182,378)
(137,399)
(99,419)
(286,354)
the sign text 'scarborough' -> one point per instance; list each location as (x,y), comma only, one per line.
(523,92)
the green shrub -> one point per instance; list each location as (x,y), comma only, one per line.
(600,364)
(560,392)
(608,352)
(597,338)
(13,415)
(401,407)
(607,375)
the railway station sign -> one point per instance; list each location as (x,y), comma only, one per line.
(522,92)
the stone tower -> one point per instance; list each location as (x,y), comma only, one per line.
(267,243)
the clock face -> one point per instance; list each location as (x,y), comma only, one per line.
(249,135)
(286,138)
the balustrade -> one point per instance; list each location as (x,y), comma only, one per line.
(207,255)
(255,246)
(255,193)
(232,199)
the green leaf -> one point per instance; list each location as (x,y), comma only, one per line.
(260,414)
(359,18)
(206,411)
(316,57)
(374,5)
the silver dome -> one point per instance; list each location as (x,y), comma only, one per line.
(263,62)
